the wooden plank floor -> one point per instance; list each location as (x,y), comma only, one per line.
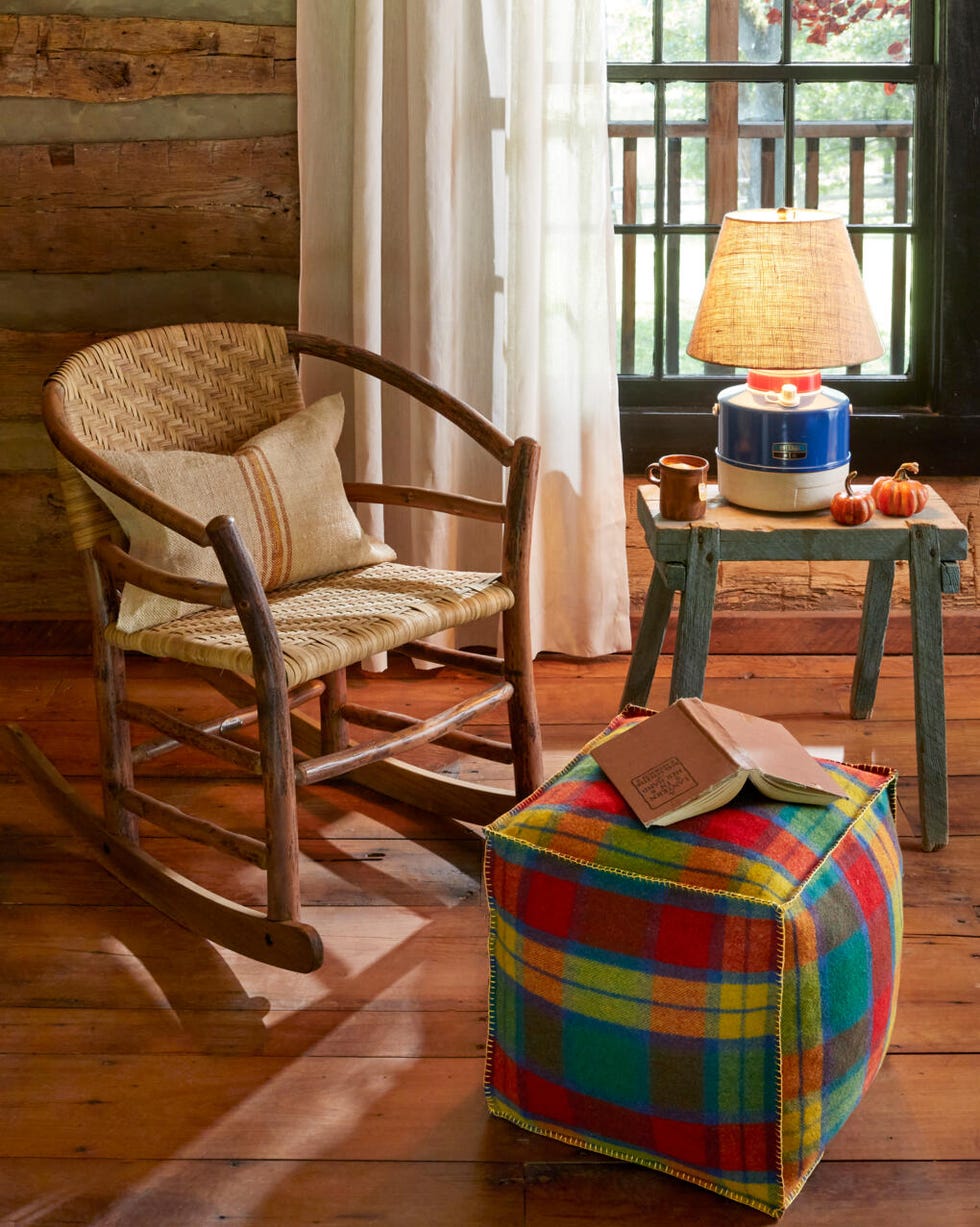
(147,1077)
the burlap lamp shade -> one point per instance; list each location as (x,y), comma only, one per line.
(784,293)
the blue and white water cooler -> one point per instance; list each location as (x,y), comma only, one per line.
(782,446)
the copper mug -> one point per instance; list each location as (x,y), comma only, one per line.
(683,482)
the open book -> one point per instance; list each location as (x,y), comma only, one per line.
(695,756)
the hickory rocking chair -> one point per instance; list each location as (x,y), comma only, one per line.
(215,530)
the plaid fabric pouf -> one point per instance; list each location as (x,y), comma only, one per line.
(711,998)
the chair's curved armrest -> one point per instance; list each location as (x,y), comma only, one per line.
(252,606)
(431,500)
(457,411)
(127,569)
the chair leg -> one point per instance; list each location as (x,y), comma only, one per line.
(334,730)
(282,837)
(522,708)
(115,747)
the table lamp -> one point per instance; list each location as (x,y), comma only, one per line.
(783,298)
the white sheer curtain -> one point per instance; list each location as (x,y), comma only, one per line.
(455,217)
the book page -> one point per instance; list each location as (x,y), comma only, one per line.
(773,751)
(787,790)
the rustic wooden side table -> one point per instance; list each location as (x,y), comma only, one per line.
(686,558)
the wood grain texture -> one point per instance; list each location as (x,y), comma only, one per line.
(41,572)
(28,359)
(417,1110)
(930,698)
(182,1192)
(146,1076)
(152,205)
(132,299)
(814,586)
(105,59)
(871,637)
(838,1194)
(688,555)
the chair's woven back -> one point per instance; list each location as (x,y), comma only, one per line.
(193,387)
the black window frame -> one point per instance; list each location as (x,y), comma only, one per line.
(931,415)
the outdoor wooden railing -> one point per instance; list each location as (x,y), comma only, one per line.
(767,134)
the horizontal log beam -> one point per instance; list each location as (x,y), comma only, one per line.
(41,572)
(28,358)
(162,206)
(107,59)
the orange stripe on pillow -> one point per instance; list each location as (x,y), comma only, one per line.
(271,521)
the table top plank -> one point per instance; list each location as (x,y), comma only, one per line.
(746,535)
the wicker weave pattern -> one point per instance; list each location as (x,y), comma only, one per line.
(203,387)
(330,623)
(206,388)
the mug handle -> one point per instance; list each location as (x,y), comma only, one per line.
(651,476)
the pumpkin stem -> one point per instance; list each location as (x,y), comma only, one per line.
(847,484)
(906,470)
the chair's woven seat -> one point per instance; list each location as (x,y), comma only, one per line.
(330,623)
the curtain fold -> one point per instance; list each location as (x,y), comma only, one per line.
(455,216)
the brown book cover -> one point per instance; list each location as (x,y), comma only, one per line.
(695,756)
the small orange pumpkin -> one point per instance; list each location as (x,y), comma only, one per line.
(852,507)
(900,495)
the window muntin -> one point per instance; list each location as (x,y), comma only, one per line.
(740,104)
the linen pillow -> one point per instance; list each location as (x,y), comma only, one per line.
(284,488)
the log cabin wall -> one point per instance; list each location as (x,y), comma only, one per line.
(148,174)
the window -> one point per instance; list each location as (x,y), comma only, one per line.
(722,104)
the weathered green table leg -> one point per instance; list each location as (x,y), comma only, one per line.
(871,639)
(925,577)
(694,617)
(649,640)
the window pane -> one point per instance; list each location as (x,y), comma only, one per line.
(630,102)
(760,36)
(632,153)
(685,168)
(723,149)
(635,294)
(854,148)
(720,30)
(761,147)
(685,30)
(852,31)
(690,257)
(629,31)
